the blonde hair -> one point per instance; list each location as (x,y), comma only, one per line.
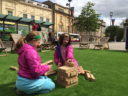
(28,38)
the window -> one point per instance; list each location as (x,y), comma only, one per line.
(41,18)
(49,6)
(47,20)
(25,15)
(32,17)
(10,13)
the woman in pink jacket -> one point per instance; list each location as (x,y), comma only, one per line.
(30,75)
(64,51)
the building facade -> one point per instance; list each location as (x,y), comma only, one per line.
(100,32)
(27,9)
(47,11)
(62,17)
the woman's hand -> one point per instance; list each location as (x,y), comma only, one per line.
(50,67)
(81,70)
(69,60)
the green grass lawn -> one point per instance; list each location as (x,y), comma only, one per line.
(109,67)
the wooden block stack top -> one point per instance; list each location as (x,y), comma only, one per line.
(67,76)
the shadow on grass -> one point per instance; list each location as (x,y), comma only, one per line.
(10,90)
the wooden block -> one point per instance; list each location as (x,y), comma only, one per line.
(14,68)
(65,81)
(73,73)
(71,85)
(74,80)
(92,77)
(50,62)
(68,81)
(67,74)
(64,74)
(45,51)
(87,76)
(62,78)
(4,55)
(87,71)
(70,64)
(81,70)
(66,85)
(50,72)
(66,69)
(61,83)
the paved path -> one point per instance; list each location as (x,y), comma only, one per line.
(117,46)
(112,46)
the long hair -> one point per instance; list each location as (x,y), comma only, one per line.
(61,39)
(28,38)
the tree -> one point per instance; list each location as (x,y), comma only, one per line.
(87,21)
(115,33)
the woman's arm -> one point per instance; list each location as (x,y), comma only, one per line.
(56,57)
(34,64)
(70,54)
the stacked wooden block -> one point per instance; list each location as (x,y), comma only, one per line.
(67,76)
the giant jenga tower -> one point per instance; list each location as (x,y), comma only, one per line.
(67,76)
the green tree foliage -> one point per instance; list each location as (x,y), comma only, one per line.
(115,33)
(87,21)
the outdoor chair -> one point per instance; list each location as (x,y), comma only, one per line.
(84,42)
(15,38)
(2,47)
(102,44)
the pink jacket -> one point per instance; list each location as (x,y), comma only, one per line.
(69,55)
(30,63)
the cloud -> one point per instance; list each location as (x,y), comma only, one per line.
(103,7)
(118,7)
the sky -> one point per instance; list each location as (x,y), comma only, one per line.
(103,7)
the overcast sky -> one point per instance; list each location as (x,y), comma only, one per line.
(103,7)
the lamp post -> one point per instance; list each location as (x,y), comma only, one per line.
(111,15)
(68,4)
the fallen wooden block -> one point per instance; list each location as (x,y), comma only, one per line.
(81,70)
(89,76)
(14,68)
(45,51)
(50,62)
(50,72)
(87,71)
(92,77)
(4,55)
